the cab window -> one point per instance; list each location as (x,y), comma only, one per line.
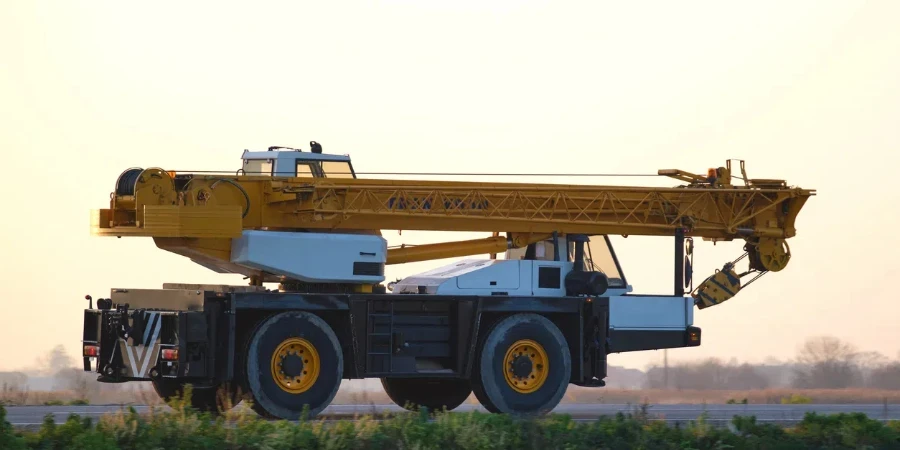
(599,257)
(305,169)
(337,169)
(257,167)
(538,251)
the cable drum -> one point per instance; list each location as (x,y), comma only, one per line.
(125,183)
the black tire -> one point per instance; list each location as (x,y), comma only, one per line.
(492,388)
(215,399)
(269,399)
(434,394)
(478,390)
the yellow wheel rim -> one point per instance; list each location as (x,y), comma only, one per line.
(526,366)
(295,365)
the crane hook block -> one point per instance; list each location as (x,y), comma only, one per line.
(718,288)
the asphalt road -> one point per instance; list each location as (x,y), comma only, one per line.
(30,416)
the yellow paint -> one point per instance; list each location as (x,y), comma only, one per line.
(299,348)
(212,206)
(363,288)
(722,286)
(491,245)
(773,254)
(540,366)
(217,208)
(172,221)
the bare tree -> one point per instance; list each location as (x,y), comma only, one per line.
(66,375)
(827,362)
(885,377)
(871,360)
(745,376)
(80,383)
(710,373)
(54,361)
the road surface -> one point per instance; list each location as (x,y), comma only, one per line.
(31,416)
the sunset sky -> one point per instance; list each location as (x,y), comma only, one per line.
(806,91)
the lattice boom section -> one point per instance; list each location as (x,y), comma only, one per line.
(614,210)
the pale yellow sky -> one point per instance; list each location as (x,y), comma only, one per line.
(803,90)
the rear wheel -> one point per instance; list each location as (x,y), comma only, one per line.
(524,366)
(294,361)
(212,399)
(478,390)
(435,394)
(477,385)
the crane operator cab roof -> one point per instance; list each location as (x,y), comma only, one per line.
(292,162)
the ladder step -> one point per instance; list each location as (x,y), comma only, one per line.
(376,320)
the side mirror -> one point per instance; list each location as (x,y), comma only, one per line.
(688,272)
(90,301)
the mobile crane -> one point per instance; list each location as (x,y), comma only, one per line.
(515,331)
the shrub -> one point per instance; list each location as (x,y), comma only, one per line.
(796,399)
(8,439)
(184,428)
(845,431)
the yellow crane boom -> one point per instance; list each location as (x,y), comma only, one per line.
(197,215)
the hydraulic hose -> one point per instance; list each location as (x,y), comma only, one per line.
(240,188)
(125,184)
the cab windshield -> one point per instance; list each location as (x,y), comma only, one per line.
(337,169)
(599,257)
(324,169)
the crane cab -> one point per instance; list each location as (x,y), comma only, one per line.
(292,162)
(543,269)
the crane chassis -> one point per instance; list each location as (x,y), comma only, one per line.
(514,331)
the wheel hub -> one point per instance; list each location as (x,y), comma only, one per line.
(521,367)
(525,366)
(292,365)
(295,365)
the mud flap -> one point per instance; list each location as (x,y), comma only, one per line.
(140,351)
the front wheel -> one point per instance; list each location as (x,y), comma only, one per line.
(294,361)
(435,394)
(524,366)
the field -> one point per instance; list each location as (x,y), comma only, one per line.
(141,394)
(577,394)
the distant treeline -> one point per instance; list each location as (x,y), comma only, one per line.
(822,363)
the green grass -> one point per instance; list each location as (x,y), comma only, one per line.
(182,428)
(795,399)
